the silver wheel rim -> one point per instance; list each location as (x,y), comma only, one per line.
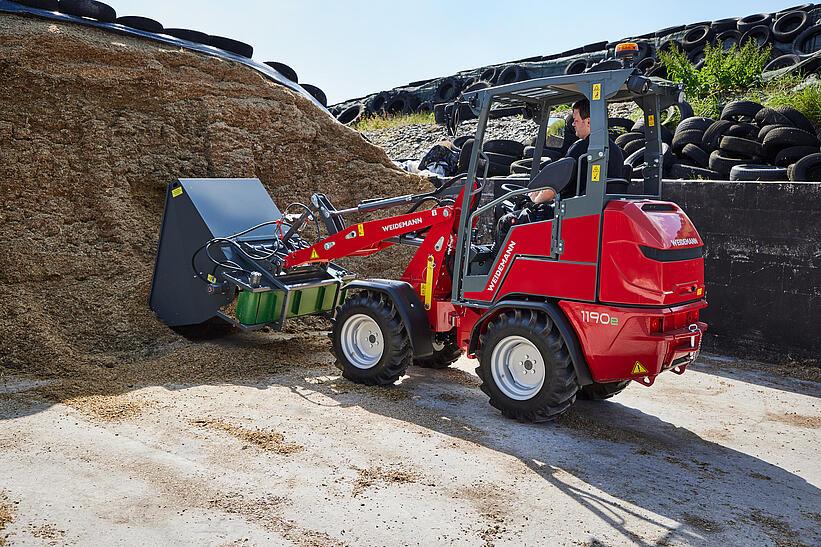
(518,368)
(362,341)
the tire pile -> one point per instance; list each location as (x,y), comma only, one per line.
(794,34)
(103,13)
(748,142)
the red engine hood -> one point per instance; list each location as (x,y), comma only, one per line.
(651,254)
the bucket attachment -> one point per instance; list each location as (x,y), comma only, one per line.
(197,211)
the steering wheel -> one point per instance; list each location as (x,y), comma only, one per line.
(519,200)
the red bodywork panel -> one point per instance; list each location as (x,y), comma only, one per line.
(628,276)
(634,343)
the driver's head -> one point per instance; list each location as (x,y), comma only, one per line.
(581,118)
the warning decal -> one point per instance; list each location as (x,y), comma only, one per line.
(596,176)
(314,254)
(638,368)
(596,92)
(651,120)
(176,192)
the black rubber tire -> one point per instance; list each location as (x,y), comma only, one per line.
(425,108)
(753,172)
(488,74)
(695,155)
(189,35)
(669,45)
(351,115)
(595,47)
(501,159)
(140,23)
(623,140)
(780,138)
(800,7)
(285,70)
(760,34)
(439,114)
(739,111)
(233,46)
(504,146)
(668,31)
(397,353)
(805,43)
(511,74)
(459,142)
(714,133)
(723,164)
(447,90)
(600,392)
(807,169)
(746,23)
(783,61)
(88,8)
(697,57)
(728,39)
(620,123)
(723,25)
(48,5)
(316,93)
(702,124)
(645,65)
(475,86)
(633,146)
(666,134)
(689,172)
(442,358)
(697,37)
(738,147)
(762,133)
(789,25)
(743,130)
(791,155)
(577,67)
(797,119)
(560,385)
(769,116)
(688,136)
(464,155)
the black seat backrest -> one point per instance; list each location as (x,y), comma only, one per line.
(617,186)
(557,175)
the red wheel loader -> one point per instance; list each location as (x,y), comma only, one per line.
(605,290)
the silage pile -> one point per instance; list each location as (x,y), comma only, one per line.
(93,126)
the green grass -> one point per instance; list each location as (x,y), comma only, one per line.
(789,91)
(736,74)
(375,123)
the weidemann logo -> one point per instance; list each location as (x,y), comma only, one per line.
(403,224)
(501,268)
(683,242)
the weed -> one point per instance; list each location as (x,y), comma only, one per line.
(375,123)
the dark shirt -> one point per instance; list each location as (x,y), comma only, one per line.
(578,151)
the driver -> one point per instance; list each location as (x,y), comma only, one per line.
(581,124)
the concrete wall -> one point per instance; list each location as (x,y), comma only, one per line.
(763,263)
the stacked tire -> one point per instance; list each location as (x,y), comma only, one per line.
(748,142)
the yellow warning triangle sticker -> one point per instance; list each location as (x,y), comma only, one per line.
(314,254)
(638,368)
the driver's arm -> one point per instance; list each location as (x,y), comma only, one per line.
(542,196)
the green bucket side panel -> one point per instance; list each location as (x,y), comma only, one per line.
(256,308)
(247,305)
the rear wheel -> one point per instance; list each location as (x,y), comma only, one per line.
(445,353)
(525,367)
(598,392)
(370,342)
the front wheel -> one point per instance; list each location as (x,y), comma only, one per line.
(370,341)
(525,367)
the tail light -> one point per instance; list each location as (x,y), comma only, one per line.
(656,324)
(692,317)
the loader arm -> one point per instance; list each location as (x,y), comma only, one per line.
(369,237)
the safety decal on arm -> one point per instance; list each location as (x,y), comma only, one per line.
(596,92)
(596,176)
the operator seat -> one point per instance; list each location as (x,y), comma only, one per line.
(556,174)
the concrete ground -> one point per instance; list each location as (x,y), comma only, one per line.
(720,456)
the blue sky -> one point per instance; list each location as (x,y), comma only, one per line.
(355,47)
